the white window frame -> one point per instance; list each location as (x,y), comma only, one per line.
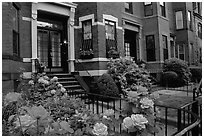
(179,22)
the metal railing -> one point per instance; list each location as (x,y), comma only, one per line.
(76,60)
(186,118)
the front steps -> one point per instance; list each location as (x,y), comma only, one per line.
(68,81)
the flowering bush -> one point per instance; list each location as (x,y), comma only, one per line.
(128,73)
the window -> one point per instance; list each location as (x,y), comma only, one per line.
(128,7)
(165,47)
(200,30)
(189,20)
(172,47)
(87,35)
(199,8)
(163,11)
(150,47)
(179,20)
(110,32)
(127,49)
(15,20)
(181,52)
(148,9)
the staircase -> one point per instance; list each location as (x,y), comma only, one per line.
(69,82)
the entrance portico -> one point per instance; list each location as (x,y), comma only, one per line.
(53,35)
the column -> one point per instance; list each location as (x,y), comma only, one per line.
(34,34)
(71,49)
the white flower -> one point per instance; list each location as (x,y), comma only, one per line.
(63,90)
(41,80)
(55,79)
(109,112)
(26,120)
(139,121)
(46,77)
(31,82)
(59,85)
(127,123)
(100,129)
(12,97)
(146,103)
(53,91)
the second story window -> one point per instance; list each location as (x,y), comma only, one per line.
(163,10)
(110,32)
(189,20)
(148,9)
(200,30)
(128,7)
(179,20)
(16,49)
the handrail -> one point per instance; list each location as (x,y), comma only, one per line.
(83,67)
(195,122)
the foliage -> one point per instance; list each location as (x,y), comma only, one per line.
(43,107)
(107,86)
(113,53)
(169,78)
(196,74)
(128,73)
(180,67)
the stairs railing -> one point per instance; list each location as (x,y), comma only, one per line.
(76,60)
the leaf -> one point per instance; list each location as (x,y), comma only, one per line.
(78,132)
(56,126)
(10,118)
(39,112)
(64,125)
(12,97)
(135,110)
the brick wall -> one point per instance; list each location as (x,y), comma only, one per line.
(11,64)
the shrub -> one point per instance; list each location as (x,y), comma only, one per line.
(169,78)
(128,73)
(107,86)
(196,74)
(181,69)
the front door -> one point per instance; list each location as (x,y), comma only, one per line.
(130,44)
(52,52)
(49,49)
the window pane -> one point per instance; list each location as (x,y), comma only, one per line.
(147,3)
(150,48)
(148,10)
(179,20)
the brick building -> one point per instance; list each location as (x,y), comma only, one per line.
(150,31)
(34,30)
(70,37)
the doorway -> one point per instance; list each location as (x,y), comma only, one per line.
(130,44)
(52,51)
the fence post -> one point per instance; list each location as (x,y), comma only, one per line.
(195,130)
(178,120)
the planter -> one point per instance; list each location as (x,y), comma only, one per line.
(86,56)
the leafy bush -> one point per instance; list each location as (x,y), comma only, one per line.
(169,78)
(107,86)
(196,74)
(181,69)
(128,73)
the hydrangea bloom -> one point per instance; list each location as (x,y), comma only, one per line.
(100,129)
(127,123)
(146,103)
(139,121)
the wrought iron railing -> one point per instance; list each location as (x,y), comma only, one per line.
(76,60)
(185,122)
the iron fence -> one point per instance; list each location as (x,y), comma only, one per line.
(185,121)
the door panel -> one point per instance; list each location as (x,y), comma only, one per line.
(43,42)
(55,49)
